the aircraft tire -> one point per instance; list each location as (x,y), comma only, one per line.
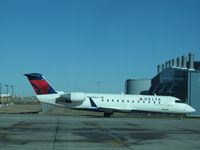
(107,114)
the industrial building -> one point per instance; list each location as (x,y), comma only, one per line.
(179,77)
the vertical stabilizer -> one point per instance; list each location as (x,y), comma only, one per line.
(39,84)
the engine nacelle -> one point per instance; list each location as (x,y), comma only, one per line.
(71,97)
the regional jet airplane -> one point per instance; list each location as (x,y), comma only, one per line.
(107,103)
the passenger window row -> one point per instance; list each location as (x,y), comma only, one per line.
(129,101)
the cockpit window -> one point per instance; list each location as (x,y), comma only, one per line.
(178,101)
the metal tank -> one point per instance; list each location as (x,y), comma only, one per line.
(191,61)
(136,86)
(184,62)
(159,69)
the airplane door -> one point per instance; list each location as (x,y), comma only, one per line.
(165,106)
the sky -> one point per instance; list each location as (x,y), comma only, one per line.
(77,43)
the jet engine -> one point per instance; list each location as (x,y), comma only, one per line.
(71,97)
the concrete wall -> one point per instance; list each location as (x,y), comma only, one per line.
(194,91)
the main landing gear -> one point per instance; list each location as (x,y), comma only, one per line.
(106,114)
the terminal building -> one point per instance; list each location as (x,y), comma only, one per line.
(180,78)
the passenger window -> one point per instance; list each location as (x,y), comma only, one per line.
(127,101)
(117,100)
(112,100)
(132,101)
(122,100)
(107,100)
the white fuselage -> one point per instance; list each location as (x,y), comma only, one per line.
(121,102)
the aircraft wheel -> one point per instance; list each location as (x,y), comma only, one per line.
(107,114)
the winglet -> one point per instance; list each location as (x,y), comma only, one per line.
(92,103)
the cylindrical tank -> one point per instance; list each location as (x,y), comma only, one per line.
(136,86)
(184,62)
(159,69)
(175,63)
(191,61)
(166,64)
(171,63)
(163,67)
(179,62)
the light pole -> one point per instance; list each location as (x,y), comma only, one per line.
(7,92)
(12,90)
(0,92)
(99,86)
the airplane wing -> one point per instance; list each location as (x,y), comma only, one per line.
(112,109)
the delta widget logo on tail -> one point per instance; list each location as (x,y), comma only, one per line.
(40,85)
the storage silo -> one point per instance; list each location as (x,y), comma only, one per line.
(136,86)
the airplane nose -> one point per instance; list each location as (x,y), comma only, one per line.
(189,109)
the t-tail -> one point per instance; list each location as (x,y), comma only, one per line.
(39,84)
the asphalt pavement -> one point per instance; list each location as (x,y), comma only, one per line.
(55,132)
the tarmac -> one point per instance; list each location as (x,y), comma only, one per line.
(56,132)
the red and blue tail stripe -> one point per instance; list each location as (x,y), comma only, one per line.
(39,84)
